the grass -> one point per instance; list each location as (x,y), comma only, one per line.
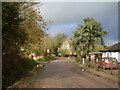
(27,81)
(46,59)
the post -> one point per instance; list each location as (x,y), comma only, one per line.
(48,52)
(112,68)
(83,61)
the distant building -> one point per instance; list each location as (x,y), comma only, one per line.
(112,51)
(66,46)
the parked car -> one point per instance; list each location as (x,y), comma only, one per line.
(108,62)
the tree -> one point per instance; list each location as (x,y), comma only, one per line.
(20,28)
(23,27)
(88,35)
(52,43)
(48,42)
(59,39)
(34,26)
(12,35)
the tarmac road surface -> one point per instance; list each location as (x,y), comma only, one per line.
(64,73)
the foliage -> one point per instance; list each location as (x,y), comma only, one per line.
(52,43)
(66,47)
(12,35)
(22,27)
(34,26)
(17,68)
(97,47)
(88,35)
(46,59)
(64,52)
(48,42)
(59,39)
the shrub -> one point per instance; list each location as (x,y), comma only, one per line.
(46,59)
(14,68)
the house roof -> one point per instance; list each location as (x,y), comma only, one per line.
(113,48)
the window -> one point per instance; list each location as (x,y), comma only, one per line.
(104,54)
(110,54)
(107,54)
(114,59)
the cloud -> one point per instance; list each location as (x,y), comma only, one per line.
(64,12)
(67,15)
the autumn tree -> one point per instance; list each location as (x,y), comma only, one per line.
(33,25)
(48,42)
(22,27)
(12,35)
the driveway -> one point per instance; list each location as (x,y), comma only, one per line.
(63,73)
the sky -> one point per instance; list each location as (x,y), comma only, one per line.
(66,16)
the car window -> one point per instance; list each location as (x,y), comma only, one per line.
(107,60)
(114,59)
(110,60)
(103,59)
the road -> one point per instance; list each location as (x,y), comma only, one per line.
(64,73)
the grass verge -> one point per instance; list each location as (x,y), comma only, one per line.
(27,81)
(15,67)
(46,59)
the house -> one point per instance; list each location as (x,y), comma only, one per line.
(95,57)
(66,47)
(112,51)
(66,44)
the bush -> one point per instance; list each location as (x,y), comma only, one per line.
(59,55)
(14,68)
(65,52)
(46,59)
